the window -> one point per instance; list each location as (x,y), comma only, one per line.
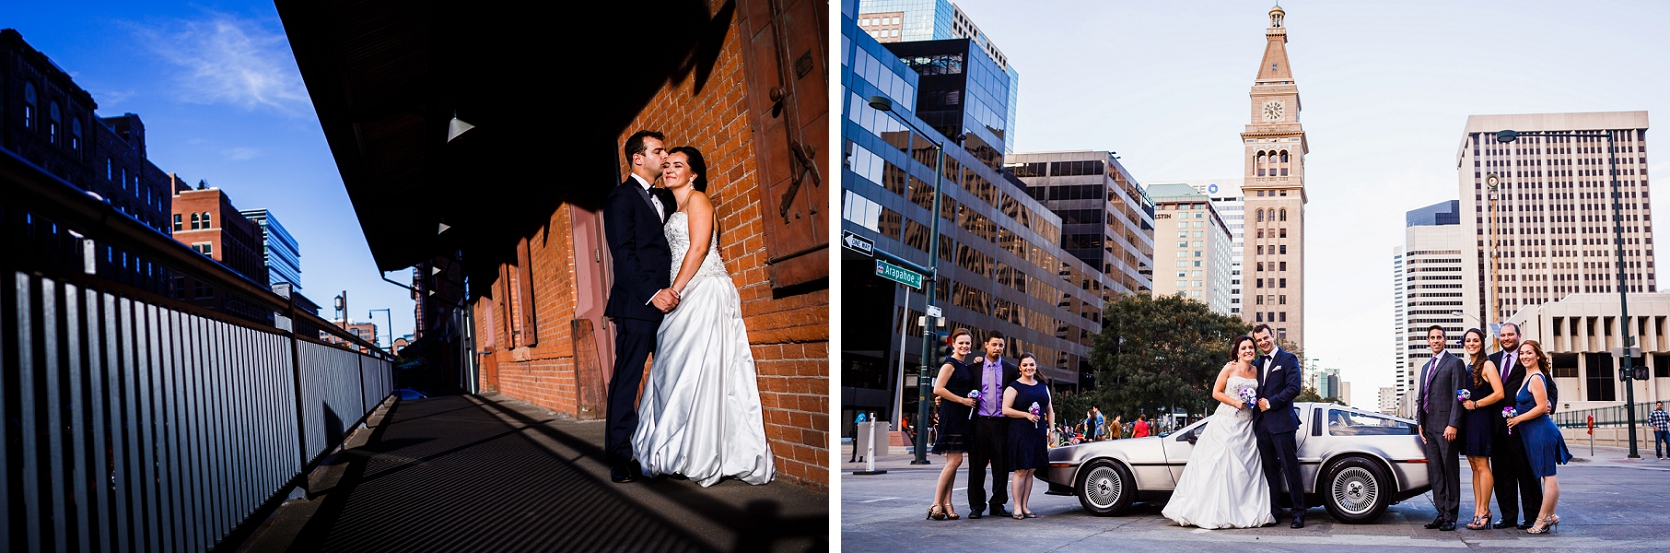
(1260,266)
(1284,249)
(109,170)
(1260,283)
(195,224)
(1261,251)
(1284,233)
(1261,212)
(1260,300)
(1283,316)
(28,105)
(176,222)
(207,225)
(1283,300)
(75,135)
(54,119)
(1284,213)
(1347,423)
(1259,316)
(1284,265)
(1284,283)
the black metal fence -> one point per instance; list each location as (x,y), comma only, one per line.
(1604,416)
(133,420)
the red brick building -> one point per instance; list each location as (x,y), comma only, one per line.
(205,220)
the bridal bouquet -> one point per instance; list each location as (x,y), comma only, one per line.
(1508,413)
(1249,397)
(974,395)
(1463,395)
(1035,412)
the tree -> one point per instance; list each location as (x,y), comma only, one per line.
(1157,353)
(1308,395)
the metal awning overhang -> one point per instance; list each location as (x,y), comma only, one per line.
(548,102)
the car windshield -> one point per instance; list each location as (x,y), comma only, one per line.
(1351,423)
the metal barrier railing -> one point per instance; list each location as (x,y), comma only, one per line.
(1616,415)
(136,422)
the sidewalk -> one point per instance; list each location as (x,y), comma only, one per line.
(489,473)
(1605,456)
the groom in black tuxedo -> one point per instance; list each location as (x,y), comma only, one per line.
(1275,422)
(641,294)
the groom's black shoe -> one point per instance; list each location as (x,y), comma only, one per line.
(975,515)
(1448,526)
(1435,523)
(1504,523)
(1299,520)
(999,511)
(621,473)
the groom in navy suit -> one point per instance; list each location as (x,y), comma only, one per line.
(1275,422)
(633,215)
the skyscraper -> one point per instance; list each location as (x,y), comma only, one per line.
(925,20)
(1107,220)
(1192,247)
(1429,288)
(279,250)
(1273,259)
(1553,231)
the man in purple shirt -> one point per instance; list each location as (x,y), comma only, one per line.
(991,431)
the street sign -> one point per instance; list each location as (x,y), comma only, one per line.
(857,243)
(933,311)
(1634,351)
(898,274)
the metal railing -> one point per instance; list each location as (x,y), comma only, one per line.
(1616,415)
(134,421)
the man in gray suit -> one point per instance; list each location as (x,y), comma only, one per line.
(1440,421)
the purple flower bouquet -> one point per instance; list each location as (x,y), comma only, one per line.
(1461,396)
(1508,413)
(974,395)
(1249,397)
(1035,412)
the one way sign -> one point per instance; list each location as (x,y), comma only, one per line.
(857,243)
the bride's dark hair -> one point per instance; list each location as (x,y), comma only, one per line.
(1235,346)
(698,165)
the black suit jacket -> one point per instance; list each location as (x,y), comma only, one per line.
(1279,388)
(642,258)
(1011,373)
(1510,388)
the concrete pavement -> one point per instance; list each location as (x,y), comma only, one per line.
(1606,502)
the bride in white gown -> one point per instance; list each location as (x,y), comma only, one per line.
(700,413)
(1223,484)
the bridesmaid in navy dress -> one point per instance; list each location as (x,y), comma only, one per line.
(1029,436)
(1478,425)
(1544,447)
(954,382)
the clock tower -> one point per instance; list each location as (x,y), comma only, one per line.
(1273,263)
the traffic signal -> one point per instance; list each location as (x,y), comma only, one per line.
(1640,373)
(944,340)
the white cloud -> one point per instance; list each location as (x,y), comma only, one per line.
(241,153)
(113,98)
(222,59)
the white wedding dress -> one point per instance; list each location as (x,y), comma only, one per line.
(700,413)
(1223,484)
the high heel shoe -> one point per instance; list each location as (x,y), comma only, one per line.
(1549,524)
(950,514)
(1480,522)
(935,512)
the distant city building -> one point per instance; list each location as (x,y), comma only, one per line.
(1582,336)
(400,344)
(205,220)
(365,331)
(1189,231)
(1441,213)
(279,251)
(1273,259)
(961,93)
(1554,231)
(1231,206)
(1388,400)
(924,20)
(1429,288)
(49,121)
(1000,261)
(1107,220)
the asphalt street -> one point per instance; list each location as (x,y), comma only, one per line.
(1606,502)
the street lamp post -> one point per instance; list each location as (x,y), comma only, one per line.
(1628,369)
(924,379)
(387,317)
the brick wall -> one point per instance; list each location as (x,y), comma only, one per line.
(789,335)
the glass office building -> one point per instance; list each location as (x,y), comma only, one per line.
(1001,266)
(280,250)
(890,21)
(1107,219)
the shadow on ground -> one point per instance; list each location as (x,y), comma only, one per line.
(482,473)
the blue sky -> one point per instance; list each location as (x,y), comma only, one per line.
(1386,89)
(222,101)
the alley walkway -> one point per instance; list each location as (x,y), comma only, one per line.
(488,473)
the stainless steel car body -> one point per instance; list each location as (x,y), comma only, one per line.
(1327,435)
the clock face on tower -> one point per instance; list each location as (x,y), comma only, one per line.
(1273,110)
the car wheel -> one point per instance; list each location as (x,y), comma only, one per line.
(1356,490)
(1105,488)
